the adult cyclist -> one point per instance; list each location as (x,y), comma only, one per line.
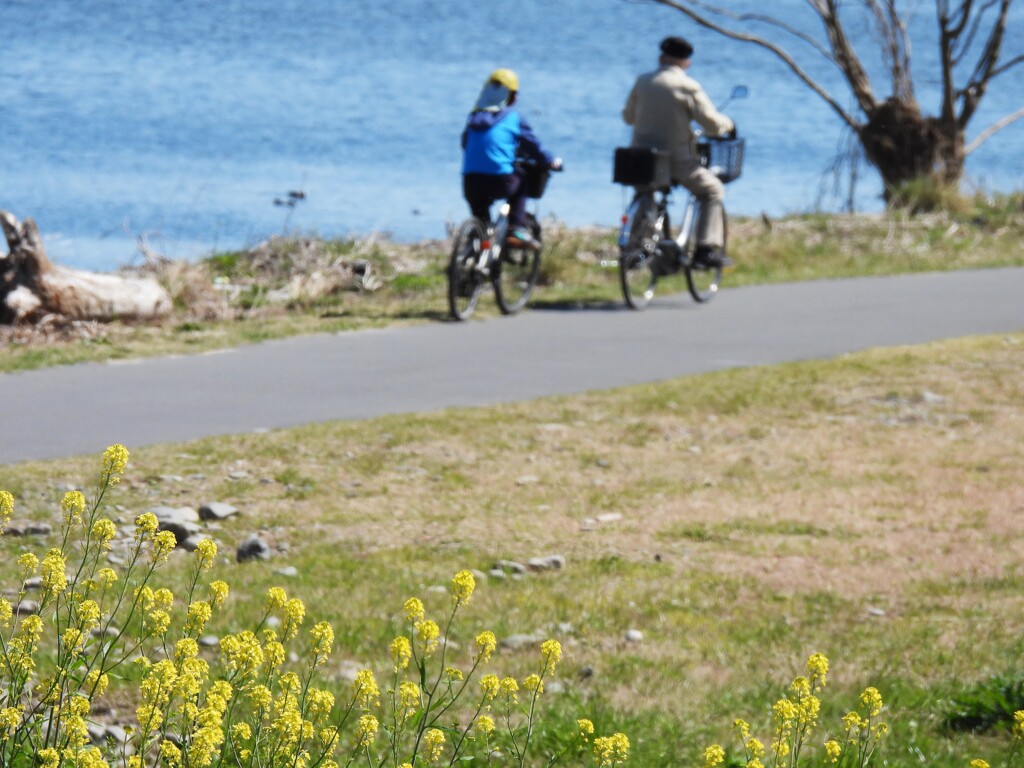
(495,134)
(661,108)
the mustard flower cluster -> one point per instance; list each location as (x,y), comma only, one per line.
(257,700)
(796,716)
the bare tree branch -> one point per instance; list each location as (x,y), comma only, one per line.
(978,83)
(849,62)
(895,46)
(775,49)
(997,126)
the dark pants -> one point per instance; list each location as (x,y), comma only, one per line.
(482,189)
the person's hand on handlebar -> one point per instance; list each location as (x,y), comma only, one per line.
(556,164)
(732,134)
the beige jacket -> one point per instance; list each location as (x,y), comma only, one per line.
(661,108)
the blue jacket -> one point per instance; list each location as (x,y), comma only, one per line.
(491,141)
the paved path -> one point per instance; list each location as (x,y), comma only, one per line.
(81,409)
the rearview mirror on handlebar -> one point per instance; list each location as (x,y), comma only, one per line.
(738,92)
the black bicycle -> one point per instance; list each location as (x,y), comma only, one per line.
(482,253)
(647,248)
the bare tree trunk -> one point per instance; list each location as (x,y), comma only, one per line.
(32,286)
(904,145)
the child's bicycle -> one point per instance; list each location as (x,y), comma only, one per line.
(481,254)
(647,249)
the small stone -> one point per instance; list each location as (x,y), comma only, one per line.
(609,517)
(209,641)
(26,607)
(497,573)
(518,642)
(872,611)
(253,548)
(510,566)
(216,510)
(527,480)
(634,636)
(288,571)
(32,583)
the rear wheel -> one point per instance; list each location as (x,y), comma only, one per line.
(515,274)
(638,268)
(703,281)
(464,280)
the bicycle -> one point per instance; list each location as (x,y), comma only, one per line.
(647,249)
(481,253)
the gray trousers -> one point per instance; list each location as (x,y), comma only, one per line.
(710,192)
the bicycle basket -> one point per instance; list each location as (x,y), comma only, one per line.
(640,166)
(723,157)
(535,179)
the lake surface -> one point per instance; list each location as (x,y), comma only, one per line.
(181,123)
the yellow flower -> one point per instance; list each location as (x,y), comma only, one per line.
(48,758)
(323,641)
(611,750)
(54,573)
(463,585)
(364,689)
(198,614)
(294,614)
(586,728)
(490,685)
(509,687)
(414,609)
(240,732)
(206,551)
(485,724)
(979,764)
(169,753)
(534,683)
(106,577)
(146,524)
(551,652)
(817,668)
(115,460)
(95,684)
(10,718)
(428,632)
(401,652)
(73,505)
(833,749)
(218,592)
(452,673)
(486,642)
(6,508)
(276,598)
(713,755)
(6,612)
(164,543)
(754,747)
(872,699)
(1018,724)
(433,740)
(366,730)
(28,563)
(273,654)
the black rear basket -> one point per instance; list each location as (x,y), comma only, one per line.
(535,179)
(723,157)
(639,167)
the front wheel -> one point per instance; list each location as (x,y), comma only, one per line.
(703,281)
(465,282)
(638,256)
(515,274)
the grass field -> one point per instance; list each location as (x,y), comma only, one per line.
(869,508)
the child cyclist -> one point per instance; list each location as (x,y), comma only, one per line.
(495,133)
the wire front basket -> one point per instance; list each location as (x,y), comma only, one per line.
(723,157)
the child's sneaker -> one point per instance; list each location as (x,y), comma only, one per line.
(521,238)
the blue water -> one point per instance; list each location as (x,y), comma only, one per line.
(180,123)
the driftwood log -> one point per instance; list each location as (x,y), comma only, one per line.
(33,287)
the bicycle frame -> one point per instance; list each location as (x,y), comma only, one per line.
(661,199)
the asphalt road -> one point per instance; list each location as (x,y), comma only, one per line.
(81,409)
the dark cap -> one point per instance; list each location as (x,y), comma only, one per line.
(676,48)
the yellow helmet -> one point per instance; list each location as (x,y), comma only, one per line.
(505,77)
